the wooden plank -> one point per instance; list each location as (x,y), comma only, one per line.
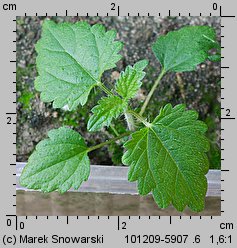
(113,179)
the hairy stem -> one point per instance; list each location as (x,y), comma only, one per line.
(139,117)
(114,130)
(130,121)
(104,88)
(92,148)
(148,98)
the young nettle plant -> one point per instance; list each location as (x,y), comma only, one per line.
(166,157)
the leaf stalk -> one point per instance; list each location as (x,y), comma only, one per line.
(139,117)
(104,88)
(92,148)
(148,98)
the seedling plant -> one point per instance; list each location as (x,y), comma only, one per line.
(166,156)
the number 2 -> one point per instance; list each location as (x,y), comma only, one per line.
(9,120)
(112,6)
(228,112)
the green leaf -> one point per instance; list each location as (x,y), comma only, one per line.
(129,81)
(58,163)
(108,108)
(215,57)
(25,99)
(169,159)
(71,59)
(182,50)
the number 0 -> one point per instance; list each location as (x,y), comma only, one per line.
(214,6)
(9,222)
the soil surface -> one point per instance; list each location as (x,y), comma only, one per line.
(199,89)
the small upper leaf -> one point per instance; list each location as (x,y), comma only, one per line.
(108,108)
(71,59)
(129,81)
(58,163)
(182,50)
(169,159)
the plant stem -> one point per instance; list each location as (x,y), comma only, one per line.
(92,148)
(104,88)
(139,117)
(130,121)
(114,130)
(148,98)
